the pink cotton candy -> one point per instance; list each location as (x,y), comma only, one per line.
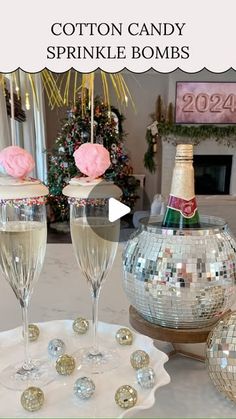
(16,161)
(92,159)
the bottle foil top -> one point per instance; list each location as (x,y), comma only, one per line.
(184,152)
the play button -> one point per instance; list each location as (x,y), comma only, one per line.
(116,209)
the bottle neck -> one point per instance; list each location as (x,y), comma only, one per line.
(182,185)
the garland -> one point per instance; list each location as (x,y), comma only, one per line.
(151,138)
(149,161)
(221,134)
(186,133)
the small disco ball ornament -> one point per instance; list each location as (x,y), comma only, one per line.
(84,388)
(146,377)
(124,336)
(84,135)
(65,364)
(139,359)
(32,399)
(33,332)
(126,396)
(221,354)
(114,147)
(80,326)
(56,347)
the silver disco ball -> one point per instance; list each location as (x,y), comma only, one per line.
(181,278)
(221,355)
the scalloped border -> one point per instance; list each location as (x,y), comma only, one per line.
(119,71)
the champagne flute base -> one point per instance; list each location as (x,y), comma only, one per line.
(97,363)
(16,377)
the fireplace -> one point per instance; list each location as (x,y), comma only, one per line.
(212,174)
(214,164)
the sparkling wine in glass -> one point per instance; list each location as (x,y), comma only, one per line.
(95,240)
(23,234)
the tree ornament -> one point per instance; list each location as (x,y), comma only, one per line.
(61,150)
(146,377)
(126,396)
(65,364)
(84,135)
(124,336)
(80,326)
(32,399)
(56,347)
(139,359)
(84,388)
(98,111)
(99,139)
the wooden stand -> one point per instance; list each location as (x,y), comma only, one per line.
(175,336)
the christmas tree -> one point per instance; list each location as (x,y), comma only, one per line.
(75,131)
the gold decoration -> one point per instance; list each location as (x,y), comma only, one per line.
(159,108)
(124,336)
(80,326)
(27,101)
(117,82)
(139,359)
(65,364)
(32,399)
(170,114)
(126,396)
(33,332)
(62,90)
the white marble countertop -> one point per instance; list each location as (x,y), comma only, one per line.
(61,293)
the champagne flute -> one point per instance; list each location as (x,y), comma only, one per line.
(23,234)
(95,240)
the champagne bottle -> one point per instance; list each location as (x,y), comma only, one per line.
(181,211)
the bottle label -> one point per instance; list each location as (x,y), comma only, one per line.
(186,207)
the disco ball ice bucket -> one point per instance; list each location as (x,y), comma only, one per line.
(181,278)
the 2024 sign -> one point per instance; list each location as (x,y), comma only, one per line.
(213,103)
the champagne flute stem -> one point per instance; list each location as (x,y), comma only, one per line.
(27,361)
(95,297)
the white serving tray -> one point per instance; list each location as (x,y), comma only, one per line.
(59,398)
